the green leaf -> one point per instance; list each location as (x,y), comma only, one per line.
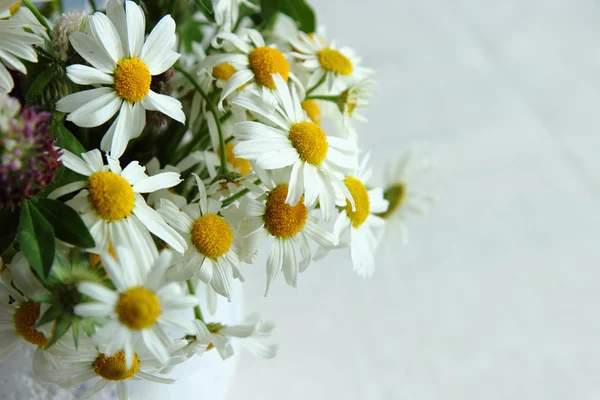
(298,10)
(66,140)
(189,32)
(36,238)
(68,225)
(206,8)
(75,331)
(60,328)
(50,315)
(38,85)
(9,221)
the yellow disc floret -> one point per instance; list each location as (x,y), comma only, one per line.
(138,308)
(265,61)
(13,9)
(361,200)
(310,141)
(223,71)
(283,220)
(334,61)
(132,79)
(111,195)
(114,368)
(240,164)
(25,318)
(313,111)
(395,195)
(212,235)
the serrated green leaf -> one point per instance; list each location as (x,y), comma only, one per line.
(38,85)
(68,225)
(66,140)
(36,238)
(60,328)
(9,221)
(50,315)
(206,8)
(298,10)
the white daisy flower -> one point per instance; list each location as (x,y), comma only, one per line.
(366,228)
(269,216)
(254,65)
(141,307)
(67,367)
(123,62)
(211,256)
(113,208)
(16,43)
(355,98)
(227,12)
(399,190)
(326,62)
(250,334)
(18,319)
(316,160)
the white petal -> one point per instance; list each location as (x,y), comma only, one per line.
(74,101)
(103,30)
(160,181)
(97,111)
(281,159)
(159,42)
(92,52)
(136,25)
(121,134)
(75,163)
(155,224)
(290,262)
(134,172)
(84,75)
(165,104)
(93,309)
(98,292)
(274,263)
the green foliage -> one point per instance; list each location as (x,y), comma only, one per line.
(298,10)
(67,223)
(206,8)
(39,85)
(36,238)
(9,221)
(65,138)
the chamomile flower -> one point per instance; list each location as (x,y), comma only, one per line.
(356,97)
(289,227)
(325,60)
(316,160)
(399,190)
(121,60)
(251,334)
(18,319)
(112,207)
(141,307)
(254,65)
(211,256)
(68,367)
(16,44)
(366,228)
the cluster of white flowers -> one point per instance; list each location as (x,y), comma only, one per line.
(252,138)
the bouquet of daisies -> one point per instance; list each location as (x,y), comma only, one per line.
(156,146)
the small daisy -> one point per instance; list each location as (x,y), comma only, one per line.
(18,319)
(356,97)
(254,65)
(113,208)
(399,190)
(316,160)
(142,306)
(250,334)
(67,367)
(16,43)
(289,226)
(211,256)
(326,61)
(121,60)
(366,228)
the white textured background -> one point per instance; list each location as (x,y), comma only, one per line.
(496,295)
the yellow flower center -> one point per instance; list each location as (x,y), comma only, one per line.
(13,9)
(283,220)
(240,164)
(334,61)
(348,98)
(114,368)
(25,318)
(361,200)
(212,235)
(132,79)
(111,195)
(395,195)
(313,111)
(265,61)
(138,308)
(310,141)
(223,71)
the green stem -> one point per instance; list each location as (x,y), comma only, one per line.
(93,4)
(38,15)
(197,311)
(312,89)
(215,114)
(334,99)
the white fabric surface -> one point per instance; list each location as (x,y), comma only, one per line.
(495,296)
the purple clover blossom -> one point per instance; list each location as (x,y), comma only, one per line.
(28,159)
